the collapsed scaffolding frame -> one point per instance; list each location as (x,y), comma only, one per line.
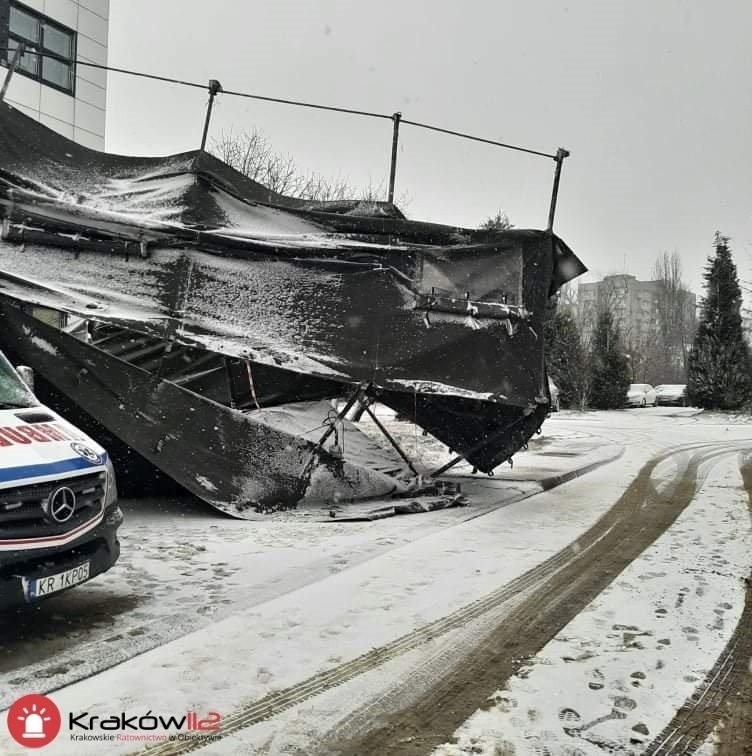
(482,416)
(214,88)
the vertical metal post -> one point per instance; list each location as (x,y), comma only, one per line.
(214,88)
(12,68)
(395,140)
(561,153)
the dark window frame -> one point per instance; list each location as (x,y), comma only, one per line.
(7,35)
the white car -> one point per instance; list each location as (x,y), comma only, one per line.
(553,389)
(641,395)
(672,393)
(58,498)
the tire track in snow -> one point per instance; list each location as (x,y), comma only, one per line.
(544,577)
(96,656)
(703,710)
(640,516)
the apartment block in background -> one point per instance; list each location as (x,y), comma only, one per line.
(53,89)
(634,305)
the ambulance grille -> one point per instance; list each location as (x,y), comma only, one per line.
(22,509)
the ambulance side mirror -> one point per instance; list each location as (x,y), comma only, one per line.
(27,375)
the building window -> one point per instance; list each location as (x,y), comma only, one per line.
(57,67)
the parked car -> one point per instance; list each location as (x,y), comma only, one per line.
(58,498)
(553,389)
(672,393)
(641,395)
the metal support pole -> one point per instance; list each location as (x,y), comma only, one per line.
(395,140)
(391,440)
(12,68)
(360,391)
(448,466)
(561,153)
(214,88)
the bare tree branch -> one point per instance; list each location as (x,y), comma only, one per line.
(251,153)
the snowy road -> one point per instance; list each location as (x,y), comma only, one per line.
(184,568)
(311,635)
(564,588)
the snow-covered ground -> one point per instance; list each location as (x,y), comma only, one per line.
(183,567)
(614,677)
(205,613)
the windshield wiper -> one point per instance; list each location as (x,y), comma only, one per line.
(13,405)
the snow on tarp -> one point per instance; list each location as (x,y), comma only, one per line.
(444,324)
(324,292)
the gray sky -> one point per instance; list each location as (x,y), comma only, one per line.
(652,99)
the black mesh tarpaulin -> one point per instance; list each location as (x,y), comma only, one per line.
(350,292)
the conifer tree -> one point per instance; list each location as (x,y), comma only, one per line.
(718,374)
(498,222)
(565,360)
(609,369)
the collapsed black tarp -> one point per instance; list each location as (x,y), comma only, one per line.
(304,300)
(406,305)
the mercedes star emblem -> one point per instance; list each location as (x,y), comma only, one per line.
(61,505)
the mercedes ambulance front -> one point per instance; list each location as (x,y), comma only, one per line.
(58,499)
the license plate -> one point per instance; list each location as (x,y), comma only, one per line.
(38,587)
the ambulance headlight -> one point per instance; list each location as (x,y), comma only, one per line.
(111,494)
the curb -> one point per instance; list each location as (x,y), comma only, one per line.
(546,484)
(557,480)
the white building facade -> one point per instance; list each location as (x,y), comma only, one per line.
(66,96)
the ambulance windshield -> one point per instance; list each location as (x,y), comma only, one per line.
(14,393)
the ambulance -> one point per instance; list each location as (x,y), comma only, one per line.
(59,511)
